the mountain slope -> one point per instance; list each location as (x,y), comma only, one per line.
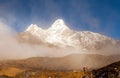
(70,62)
(60,35)
(64,67)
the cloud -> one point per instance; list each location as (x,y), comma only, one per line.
(42,12)
(10,48)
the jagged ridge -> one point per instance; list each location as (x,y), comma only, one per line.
(59,34)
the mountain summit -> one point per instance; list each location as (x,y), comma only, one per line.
(33,27)
(60,35)
(58,24)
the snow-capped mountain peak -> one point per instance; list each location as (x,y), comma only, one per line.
(58,25)
(59,34)
(32,27)
(34,30)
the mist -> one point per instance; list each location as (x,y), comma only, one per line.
(10,48)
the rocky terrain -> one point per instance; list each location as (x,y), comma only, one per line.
(109,71)
(60,52)
(62,36)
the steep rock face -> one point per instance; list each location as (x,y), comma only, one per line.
(59,34)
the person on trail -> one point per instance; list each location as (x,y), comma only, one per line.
(85,69)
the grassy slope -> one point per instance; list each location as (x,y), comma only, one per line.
(31,68)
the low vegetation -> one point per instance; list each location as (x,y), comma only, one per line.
(17,70)
(55,74)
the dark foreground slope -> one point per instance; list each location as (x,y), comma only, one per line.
(110,71)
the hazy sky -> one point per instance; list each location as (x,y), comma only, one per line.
(102,16)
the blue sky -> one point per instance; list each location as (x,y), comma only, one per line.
(102,16)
